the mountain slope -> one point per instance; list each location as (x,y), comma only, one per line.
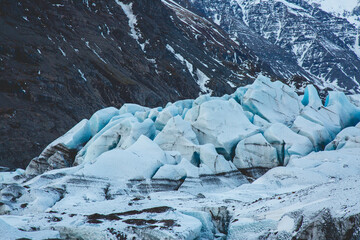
(62,60)
(321,44)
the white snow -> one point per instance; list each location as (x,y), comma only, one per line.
(82,75)
(217,19)
(62,52)
(134,33)
(336,7)
(178,56)
(202,81)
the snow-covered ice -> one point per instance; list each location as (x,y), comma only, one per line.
(196,169)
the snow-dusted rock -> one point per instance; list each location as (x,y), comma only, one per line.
(287,142)
(9,232)
(255,151)
(216,162)
(9,176)
(222,123)
(347,138)
(99,119)
(273,101)
(171,172)
(60,150)
(177,135)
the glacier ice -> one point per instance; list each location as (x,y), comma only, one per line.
(311,97)
(287,142)
(192,171)
(222,123)
(347,138)
(207,227)
(75,137)
(195,169)
(255,151)
(317,133)
(216,162)
(122,133)
(348,113)
(177,135)
(354,99)
(324,117)
(99,119)
(165,115)
(132,109)
(139,161)
(171,172)
(273,101)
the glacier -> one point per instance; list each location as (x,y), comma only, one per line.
(260,163)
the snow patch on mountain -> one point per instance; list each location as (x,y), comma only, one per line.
(134,33)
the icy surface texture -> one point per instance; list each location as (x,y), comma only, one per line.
(101,118)
(255,151)
(222,123)
(197,169)
(273,101)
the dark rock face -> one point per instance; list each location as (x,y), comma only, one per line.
(325,226)
(60,61)
(55,157)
